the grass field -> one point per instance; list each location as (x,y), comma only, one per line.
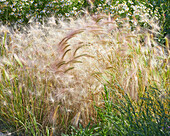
(96,73)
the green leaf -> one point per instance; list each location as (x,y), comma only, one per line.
(17,59)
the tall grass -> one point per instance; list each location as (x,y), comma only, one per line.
(52,75)
(148,116)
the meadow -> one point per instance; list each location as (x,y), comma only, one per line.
(84,68)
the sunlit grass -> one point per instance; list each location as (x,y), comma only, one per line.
(123,116)
(52,75)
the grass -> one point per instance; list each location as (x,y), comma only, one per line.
(52,77)
(123,116)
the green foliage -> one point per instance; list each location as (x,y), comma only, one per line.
(163,12)
(131,8)
(160,9)
(123,116)
(21,11)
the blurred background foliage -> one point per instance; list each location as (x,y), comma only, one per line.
(21,11)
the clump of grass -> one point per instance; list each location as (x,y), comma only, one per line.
(148,116)
(51,75)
